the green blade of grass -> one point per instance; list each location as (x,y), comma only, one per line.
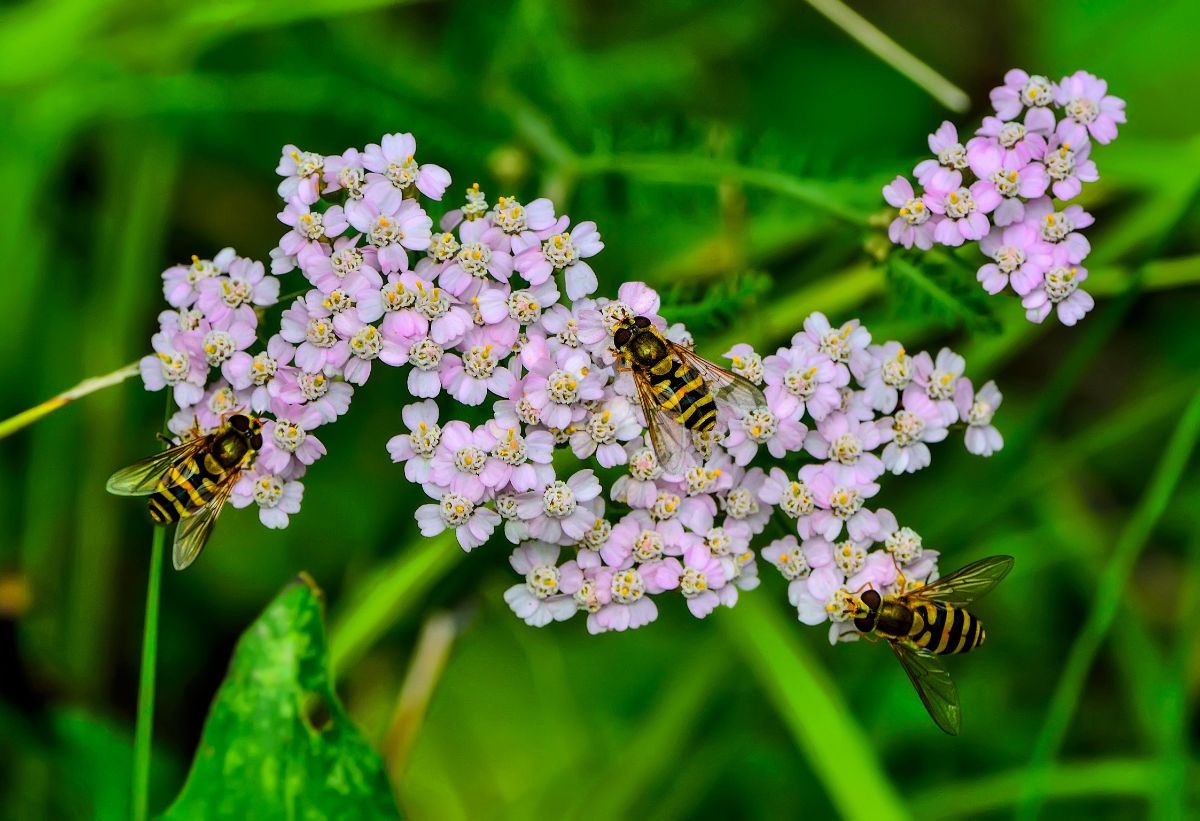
(385,598)
(1104,606)
(840,753)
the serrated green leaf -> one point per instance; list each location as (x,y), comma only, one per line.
(277,743)
(944,292)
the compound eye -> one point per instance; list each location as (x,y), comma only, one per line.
(864,624)
(641,322)
(872,599)
(622,337)
(240,422)
(256,441)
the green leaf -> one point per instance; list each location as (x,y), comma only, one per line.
(277,743)
(947,292)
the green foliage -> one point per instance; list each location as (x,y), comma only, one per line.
(943,290)
(712,308)
(277,743)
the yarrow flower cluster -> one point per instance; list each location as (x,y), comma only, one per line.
(493,316)
(1008,187)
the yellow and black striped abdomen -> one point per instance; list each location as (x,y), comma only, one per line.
(681,392)
(943,628)
(186,488)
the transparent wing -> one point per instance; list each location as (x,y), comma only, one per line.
(933,684)
(726,387)
(193,531)
(143,476)
(966,584)
(670,439)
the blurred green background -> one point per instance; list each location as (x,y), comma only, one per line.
(708,141)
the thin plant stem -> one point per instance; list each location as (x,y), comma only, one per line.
(144,729)
(27,417)
(146,684)
(894,54)
(424,671)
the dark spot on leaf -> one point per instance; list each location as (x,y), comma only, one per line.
(315,711)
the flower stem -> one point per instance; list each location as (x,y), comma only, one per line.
(28,417)
(144,728)
(892,53)
(146,684)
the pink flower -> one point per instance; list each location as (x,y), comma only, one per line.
(915,425)
(1022,90)
(557,386)
(301,171)
(277,498)
(473,524)
(392,232)
(345,173)
(1020,256)
(563,251)
(915,223)
(703,576)
(417,447)
(1087,101)
(330,397)
(471,377)
(948,150)
(312,329)
(1060,227)
(482,254)
(288,445)
(938,380)
(963,209)
(520,462)
(346,269)
(642,538)
(395,171)
(806,378)
(1059,291)
(1067,162)
(839,503)
(173,365)
(367,343)
(605,430)
(181,283)
(638,488)
(1012,138)
(309,230)
(225,299)
(977,410)
(559,513)
(781,432)
(460,459)
(624,604)
(261,371)
(848,442)
(546,595)
(1013,179)
(524,225)
(846,344)
(741,504)
(888,371)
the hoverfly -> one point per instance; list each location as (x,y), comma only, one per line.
(679,390)
(190,482)
(929,621)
